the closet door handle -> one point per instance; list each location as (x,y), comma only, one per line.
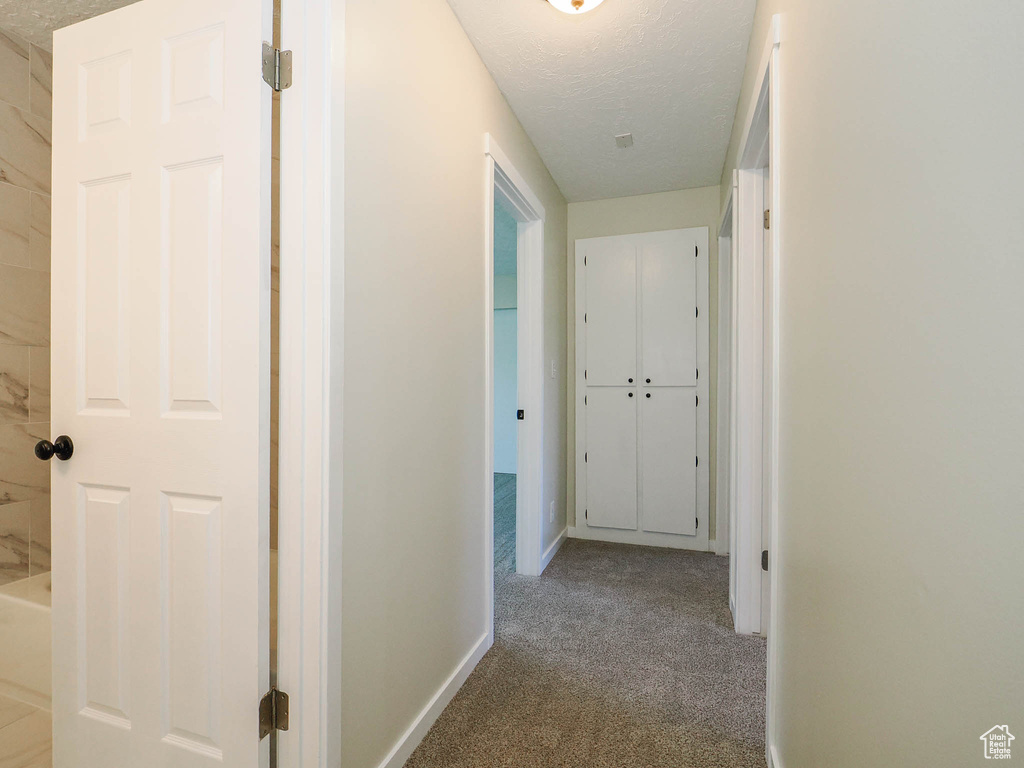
(630,381)
(648,381)
(648,395)
(630,394)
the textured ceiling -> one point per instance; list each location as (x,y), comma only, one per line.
(35,20)
(667,71)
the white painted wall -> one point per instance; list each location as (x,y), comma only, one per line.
(900,483)
(643,213)
(418,102)
(506,391)
(506,384)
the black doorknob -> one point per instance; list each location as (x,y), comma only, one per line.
(62,448)
(648,395)
(630,394)
(630,381)
(648,381)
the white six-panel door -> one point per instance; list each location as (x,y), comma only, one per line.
(641,425)
(160,362)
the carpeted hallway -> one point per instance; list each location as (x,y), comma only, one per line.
(616,657)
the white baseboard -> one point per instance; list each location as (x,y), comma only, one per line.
(551,551)
(412,737)
(773,757)
(640,538)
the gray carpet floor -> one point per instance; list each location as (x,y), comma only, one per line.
(504,523)
(616,657)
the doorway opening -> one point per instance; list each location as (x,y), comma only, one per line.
(506,386)
(514,399)
(749,311)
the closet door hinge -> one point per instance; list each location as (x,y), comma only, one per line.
(277,67)
(767,218)
(273,712)
(764,560)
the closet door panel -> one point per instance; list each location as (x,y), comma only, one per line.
(668,462)
(610,273)
(669,308)
(611,458)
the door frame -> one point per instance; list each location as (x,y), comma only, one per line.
(505,182)
(754,458)
(701,541)
(723,453)
(311,366)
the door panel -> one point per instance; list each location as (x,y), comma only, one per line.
(668,471)
(611,312)
(668,304)
(611,458)
(160,360)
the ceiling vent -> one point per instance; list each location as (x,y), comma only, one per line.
(625,141)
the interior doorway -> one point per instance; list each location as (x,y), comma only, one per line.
(514,399)
(749,276)
(506,385)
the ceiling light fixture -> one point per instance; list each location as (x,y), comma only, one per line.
(575,7)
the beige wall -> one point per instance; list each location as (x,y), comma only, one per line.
(25,156)
(624,216)
(901,380)
(417,105)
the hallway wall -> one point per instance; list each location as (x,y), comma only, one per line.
(624,216)
(418,102)
(901,378)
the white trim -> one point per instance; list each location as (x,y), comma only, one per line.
(748,402)
(773,41)
(773,757)
(723,507)
(309,486)
(532,202)
(778,222)
(638,538)
(502,178)
(756,151)
(414,734)
(552,550)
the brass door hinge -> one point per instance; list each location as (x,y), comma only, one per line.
(767,218)
(273,712)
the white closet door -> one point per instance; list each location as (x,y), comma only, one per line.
(668,308)
(611,458)
(668,461)
(161,373)
(611,312)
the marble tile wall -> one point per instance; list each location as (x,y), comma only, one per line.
(25,152)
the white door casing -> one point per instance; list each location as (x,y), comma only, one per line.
(650,318)
(160,363)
